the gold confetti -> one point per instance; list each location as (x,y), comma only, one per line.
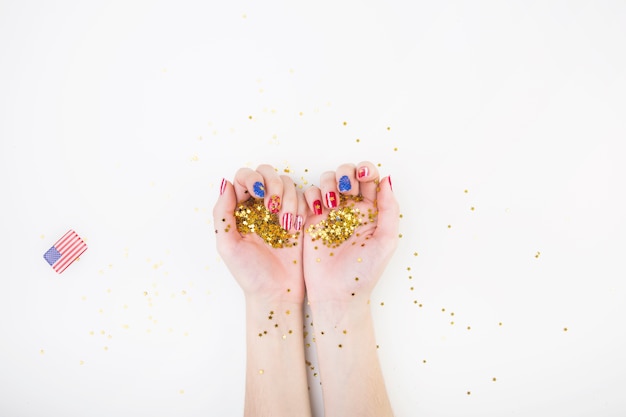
(253,217)
(339,225)
(537,254)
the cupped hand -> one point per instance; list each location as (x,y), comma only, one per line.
(262,271)
(339,272)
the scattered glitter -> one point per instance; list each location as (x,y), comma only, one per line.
(345,123)
(565,329)
(415,254)
(253,217)
(261,371)
(537,254)
(449,226)
(472,208)
(466,191)
(493,379)
(340,345)
(469,392)
(395,149)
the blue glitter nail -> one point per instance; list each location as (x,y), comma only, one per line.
(344,184)
(259,189)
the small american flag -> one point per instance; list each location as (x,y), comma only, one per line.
(65,251)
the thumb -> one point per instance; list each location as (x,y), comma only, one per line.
(388,217)
(226,234)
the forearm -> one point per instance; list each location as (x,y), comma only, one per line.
(276,383)
(352,380)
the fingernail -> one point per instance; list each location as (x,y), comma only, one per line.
(259,189)
(331,199)
(299,222)
(390,186)
(317,207)
(363,171)
(286,221)
(274,204)
(344,184)
(223,186)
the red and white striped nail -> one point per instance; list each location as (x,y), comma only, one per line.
(363,171)
(223,186)
(299,223)
(286,220)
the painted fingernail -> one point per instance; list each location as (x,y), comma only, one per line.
(286,221)
(299,223)
(331,199)
(259,189)
(317,207)
(223,186)
(363,171)
(274,204)
(390,186)
(344,184)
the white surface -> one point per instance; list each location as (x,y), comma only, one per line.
(119,119)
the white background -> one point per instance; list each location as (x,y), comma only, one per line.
(120,118)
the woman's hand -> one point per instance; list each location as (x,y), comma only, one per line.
(262,271)
(350,271)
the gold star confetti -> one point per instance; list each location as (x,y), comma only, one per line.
(339,225)
(253,217)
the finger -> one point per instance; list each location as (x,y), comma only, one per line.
(289,205)
(224,218)
(328,186)
(346,179)
(388,214)
(368,177)
(301,212)
(248,183)
(273,187)
(313,197)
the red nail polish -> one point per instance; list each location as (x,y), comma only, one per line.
(363,171)
(274,204)
(317,207)
(331,199)
(223,186)
(390,186)
(286,221)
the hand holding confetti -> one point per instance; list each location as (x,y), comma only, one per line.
(351,233)
(258,221)
(351,238)
(258,212)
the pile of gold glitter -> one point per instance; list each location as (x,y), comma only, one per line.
(253,217)
(338,226)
